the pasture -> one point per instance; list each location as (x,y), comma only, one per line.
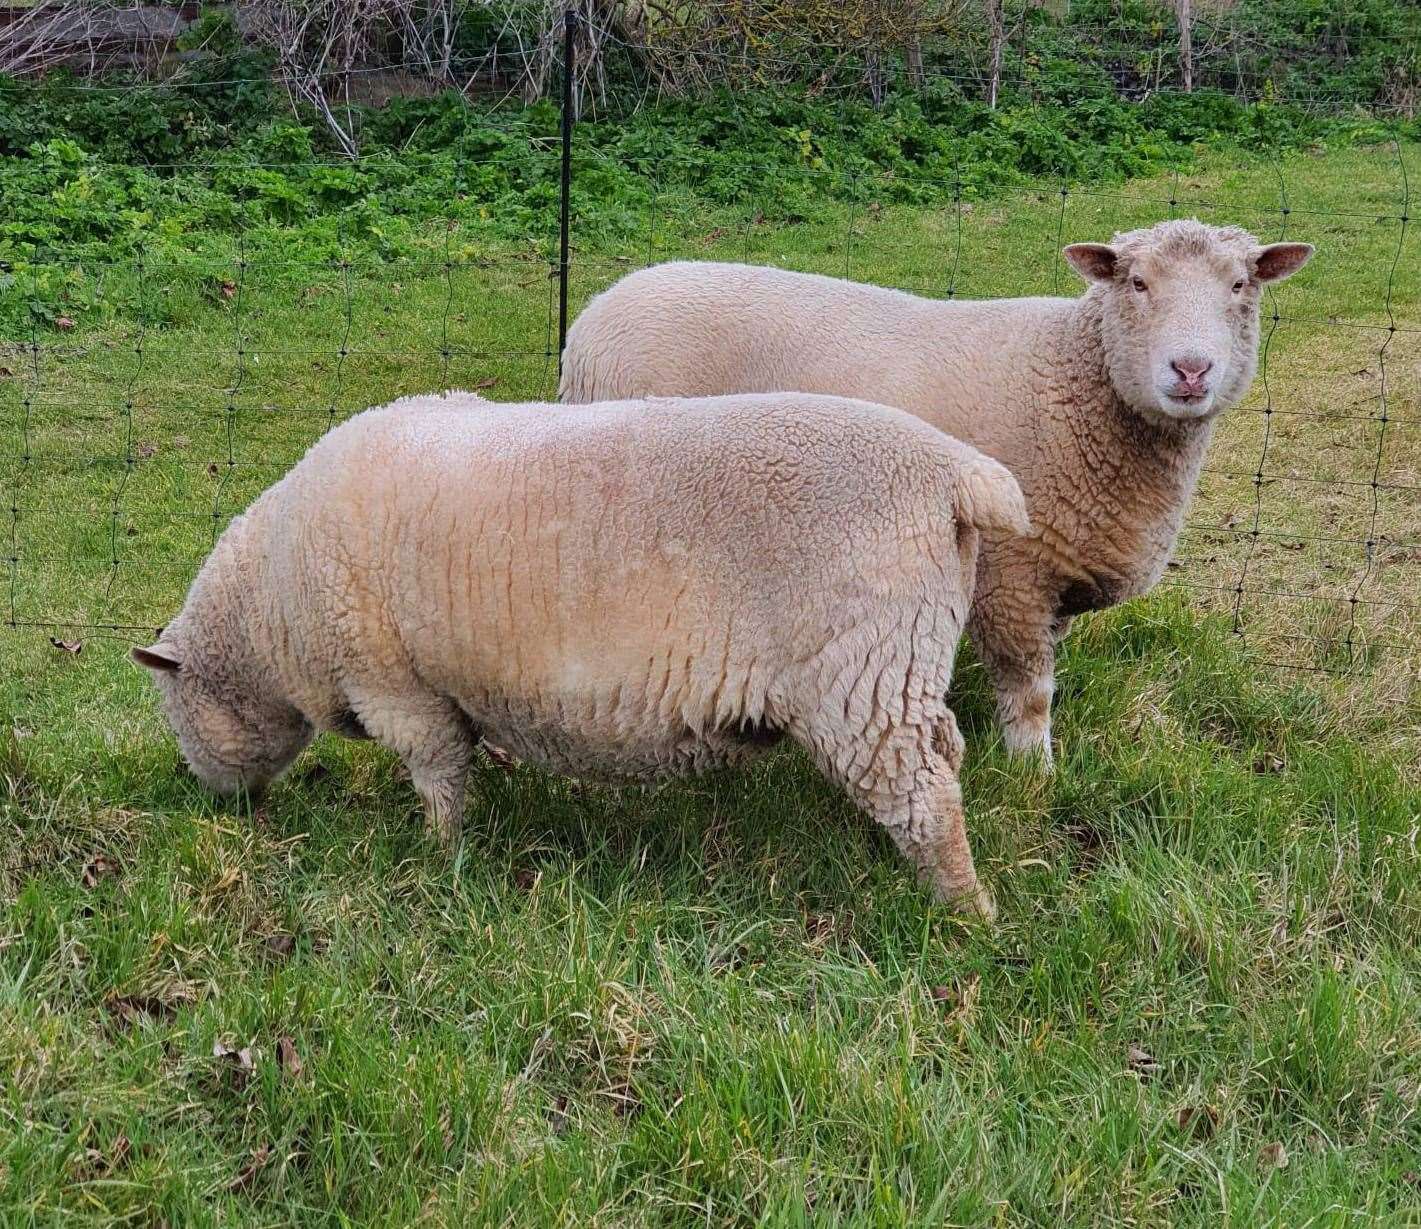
(726,1001)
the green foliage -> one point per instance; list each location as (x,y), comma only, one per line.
(96,171)
(94,175)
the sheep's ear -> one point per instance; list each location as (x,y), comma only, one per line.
(1093,261)
(159,657)
(1279,260)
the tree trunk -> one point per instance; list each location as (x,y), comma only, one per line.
(1186,45)
(873,65)
(996,22)
(914,53)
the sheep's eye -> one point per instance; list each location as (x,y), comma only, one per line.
(1139,284)
(1239,285)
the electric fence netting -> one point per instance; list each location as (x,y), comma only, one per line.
(129,446)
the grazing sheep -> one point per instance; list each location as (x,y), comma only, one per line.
(1101,406)
(626,590)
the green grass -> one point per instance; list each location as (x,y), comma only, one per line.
(723,1001)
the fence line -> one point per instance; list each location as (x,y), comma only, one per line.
(38,463)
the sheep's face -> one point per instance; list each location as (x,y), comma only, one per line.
(232,741)
(1179,313)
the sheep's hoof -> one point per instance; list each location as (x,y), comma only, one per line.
(1036,753)
(975,903)
(446,829)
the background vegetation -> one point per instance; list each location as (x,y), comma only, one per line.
(93,170)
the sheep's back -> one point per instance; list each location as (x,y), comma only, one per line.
(968,367)
(604,578)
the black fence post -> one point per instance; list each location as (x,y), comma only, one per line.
(569,74)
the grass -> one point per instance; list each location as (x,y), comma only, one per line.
(726,1001)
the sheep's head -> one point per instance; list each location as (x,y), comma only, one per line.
(1179,313)
(231,738)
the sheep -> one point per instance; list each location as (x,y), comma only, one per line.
(630,590)
(1101,406)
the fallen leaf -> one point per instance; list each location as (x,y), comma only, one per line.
(313,773)
(96,1164)
(64,324)
(959,1000)
(1200,1121)
(557,1115)
(229,879)
(118,1153)
(249,1171)
(1273,1156)
(486,382)
(98,868)
(625,1102)
(239,1063)
(131,1007)
(69,646)
(288,1058)
(220,1049)
(1142,1062)
(281,944)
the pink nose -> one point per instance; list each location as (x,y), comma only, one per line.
(1192,370)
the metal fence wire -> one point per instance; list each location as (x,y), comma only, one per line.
(1305,534)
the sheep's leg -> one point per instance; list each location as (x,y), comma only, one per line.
(1016,643)
(1024,693)
(433,737)
(909,785)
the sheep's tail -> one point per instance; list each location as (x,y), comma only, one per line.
(578,384)
(988,497)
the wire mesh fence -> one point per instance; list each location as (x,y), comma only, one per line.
(129,447)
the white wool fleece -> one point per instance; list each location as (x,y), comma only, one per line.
(620,590)
(1101,406)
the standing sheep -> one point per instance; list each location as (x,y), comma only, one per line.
(1101,406)
(627,590)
